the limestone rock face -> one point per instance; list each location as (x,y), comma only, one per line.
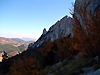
(91,6)
(44,31)
(61,28)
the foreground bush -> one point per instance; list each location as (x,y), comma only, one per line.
(25,66)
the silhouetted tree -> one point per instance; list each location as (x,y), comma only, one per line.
(5,56)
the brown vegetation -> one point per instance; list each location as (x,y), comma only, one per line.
(86,32)
(85,41)
(25,66)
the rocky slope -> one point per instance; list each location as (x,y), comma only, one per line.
(91,6)
(95,73)
(61,28)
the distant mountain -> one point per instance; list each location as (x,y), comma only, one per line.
(10,42)
(28,39)
(8,48)
(13,53)
(18,40)
(24,40)
(12,45)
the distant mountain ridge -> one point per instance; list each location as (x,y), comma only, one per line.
(13,45)
(21,40)
(18,40)
(28,39)
(10,42)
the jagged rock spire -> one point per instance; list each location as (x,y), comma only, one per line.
(44,31)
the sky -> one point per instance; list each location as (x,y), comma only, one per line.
(28,18)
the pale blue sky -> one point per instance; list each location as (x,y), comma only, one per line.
(27,18)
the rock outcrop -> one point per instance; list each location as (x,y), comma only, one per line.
(91,6)
(97,72)
(63,27)
(44,31)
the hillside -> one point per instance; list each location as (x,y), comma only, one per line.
(8,48)
(70,47)
(10,42)
(18,40)
(13,44)
(61,28)
(22,40)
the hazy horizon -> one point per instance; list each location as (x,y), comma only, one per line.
(23,38)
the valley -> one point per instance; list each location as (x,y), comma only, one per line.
(13,46)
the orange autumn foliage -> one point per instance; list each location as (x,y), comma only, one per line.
(46,47)
(86,32)
(61,47)
(25,66)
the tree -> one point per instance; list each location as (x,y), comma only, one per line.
(86,32)
(25,66)
(46,47)
(5,56)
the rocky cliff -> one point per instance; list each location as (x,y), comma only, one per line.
(63,27)
(91,6)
